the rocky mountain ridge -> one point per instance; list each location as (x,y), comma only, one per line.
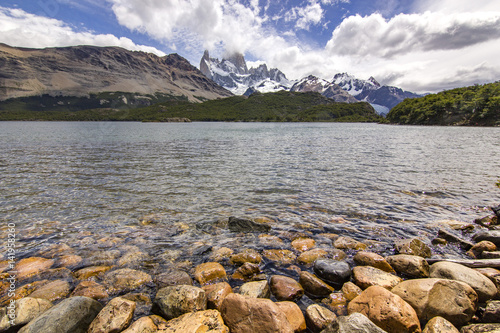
(82,70)
(233,74)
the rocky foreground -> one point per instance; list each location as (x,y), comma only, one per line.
(346,289)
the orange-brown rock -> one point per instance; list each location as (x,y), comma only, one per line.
(348,243)
(216,293)
(387,310)
(314,286)
(90,289)
(248,255)
(364,258)
(303,244)
(285,288)
(32,266)
(281,256)
(88,272)
(209,272)
(249,315)
(366,276)
(294,315)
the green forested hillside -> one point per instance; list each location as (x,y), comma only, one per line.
(279,106)
(477,105)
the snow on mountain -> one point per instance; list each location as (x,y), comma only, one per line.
(382,98)
(325,88)
(232,73)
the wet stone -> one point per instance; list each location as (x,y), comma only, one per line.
(90,289)
(133,259)
(209,272)
(351,291)
(52,291)
(364,258)
(414,266)
(114,317)
(125,279)
(303,244)
(256,289)
(244,225)
(216,294)
(248,255)
(332,271)
(26,309)
(74,314)
(142,302)
(281,256)
(413,246)
(479,248)
(221,253)
(172,302)
(318,317)
(348,243)
(311,256)
(88,272)
(314,286)
(208,321)
(337,302)
(32,266)
(492,312)
(366,276)
(70,261)
(285,288)
(293,314)
(246,272)
(172,278)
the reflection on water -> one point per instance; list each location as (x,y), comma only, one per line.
(65,180)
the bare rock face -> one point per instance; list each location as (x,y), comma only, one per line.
(387,310)
(453,300)
(248,315)
(80,70)
(174,301)
(483,286)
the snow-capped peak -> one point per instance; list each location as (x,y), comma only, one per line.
(353,85)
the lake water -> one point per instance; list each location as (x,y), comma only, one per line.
(62,181)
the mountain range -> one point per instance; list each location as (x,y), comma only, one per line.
(85,70)
(233,74)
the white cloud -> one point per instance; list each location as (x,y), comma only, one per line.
(20,28)
(304,17)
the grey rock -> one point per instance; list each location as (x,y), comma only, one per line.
(492,312)
(172,278)
(73,315)
(354,323)
(332,271)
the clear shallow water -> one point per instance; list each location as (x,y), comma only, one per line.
(62,181)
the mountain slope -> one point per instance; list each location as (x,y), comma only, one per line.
(475,105)
(80,70)
(383,98)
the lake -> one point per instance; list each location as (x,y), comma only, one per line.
(64,181)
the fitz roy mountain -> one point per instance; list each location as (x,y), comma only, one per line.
(232,73)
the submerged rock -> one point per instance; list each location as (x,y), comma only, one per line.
(281,256)
(346,243)
(126,279)
(244,225)
(247,255)
(414,247)
(90,289)
(172,278)
(52,291)
(32,266)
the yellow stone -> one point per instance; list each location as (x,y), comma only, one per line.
(209,272)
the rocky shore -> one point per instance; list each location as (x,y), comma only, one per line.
(283,283)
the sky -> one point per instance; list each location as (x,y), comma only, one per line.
(418,45)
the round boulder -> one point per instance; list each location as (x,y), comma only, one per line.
(332,271)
